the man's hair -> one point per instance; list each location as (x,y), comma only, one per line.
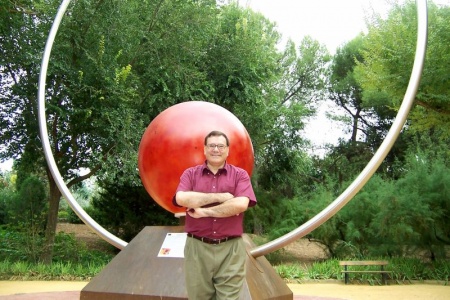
(216,133)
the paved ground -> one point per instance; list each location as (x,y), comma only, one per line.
(68,290)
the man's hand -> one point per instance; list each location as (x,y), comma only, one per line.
(197,213)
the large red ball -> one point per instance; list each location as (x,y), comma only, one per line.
(174,141)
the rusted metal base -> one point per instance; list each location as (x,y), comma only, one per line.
(138,273)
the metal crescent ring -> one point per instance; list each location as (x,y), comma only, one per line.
(304,229)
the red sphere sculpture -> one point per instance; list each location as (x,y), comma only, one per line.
(174,141)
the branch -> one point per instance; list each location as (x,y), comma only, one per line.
(430,107)
(293,90)
(92,171)
(86,176)
(21,10)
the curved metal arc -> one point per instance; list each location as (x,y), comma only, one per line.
(379,156)
(110,238)
(306,228)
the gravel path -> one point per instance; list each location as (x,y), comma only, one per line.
(40,290)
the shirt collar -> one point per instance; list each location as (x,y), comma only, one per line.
(220,171)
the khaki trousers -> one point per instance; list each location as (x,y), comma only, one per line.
(215,272)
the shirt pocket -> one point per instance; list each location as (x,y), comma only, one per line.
(226,187)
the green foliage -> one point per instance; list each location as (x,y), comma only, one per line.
(73,218)
(125,210)
(386,218)
(324,270)
(68,249)
(57,271)
(390,217)
(273,216)
(388,57)
(15,246)
(29,204)
(327,234)
(24,210)
(290,272)
(403,270)
(117,64)
(416,269)
(281,161)
(7,194)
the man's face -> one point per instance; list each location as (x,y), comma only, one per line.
(216,150)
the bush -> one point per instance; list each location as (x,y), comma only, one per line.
(73,218)
(15,246)
(68,249)
(30,204)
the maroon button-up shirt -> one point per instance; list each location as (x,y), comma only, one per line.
(231,179)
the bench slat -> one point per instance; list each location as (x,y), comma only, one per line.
(367,272)
(364,263)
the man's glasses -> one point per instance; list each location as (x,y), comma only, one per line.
(220,147)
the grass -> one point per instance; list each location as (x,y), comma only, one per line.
(74,261)
(55,271)
(404,270)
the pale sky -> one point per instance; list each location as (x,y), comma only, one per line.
(330,22)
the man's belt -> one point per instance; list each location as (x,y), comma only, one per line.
(211,241)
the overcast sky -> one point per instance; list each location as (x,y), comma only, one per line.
(330,22)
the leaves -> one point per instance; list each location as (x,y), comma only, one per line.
(389,50)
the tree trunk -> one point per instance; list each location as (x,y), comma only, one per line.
(52,220)
(355,125)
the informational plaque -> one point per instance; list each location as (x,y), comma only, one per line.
(173,245)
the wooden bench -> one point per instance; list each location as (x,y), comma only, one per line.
(380,263)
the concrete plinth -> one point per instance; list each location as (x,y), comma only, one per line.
(138,273)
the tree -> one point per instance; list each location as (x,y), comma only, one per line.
(388,54)
(295,94)
(125,210)
(228,56)
(115,65)
(347,93)
(90,108)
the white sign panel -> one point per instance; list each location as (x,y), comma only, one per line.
(173,245)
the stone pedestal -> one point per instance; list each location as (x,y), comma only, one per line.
(138,273)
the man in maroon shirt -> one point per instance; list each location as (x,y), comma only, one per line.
(215,195)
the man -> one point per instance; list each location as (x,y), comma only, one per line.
(215,195)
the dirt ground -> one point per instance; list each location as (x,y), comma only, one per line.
(303,250)
(83,233)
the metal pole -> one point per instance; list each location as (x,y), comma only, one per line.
(379,156)
(301,231)
(106,235)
